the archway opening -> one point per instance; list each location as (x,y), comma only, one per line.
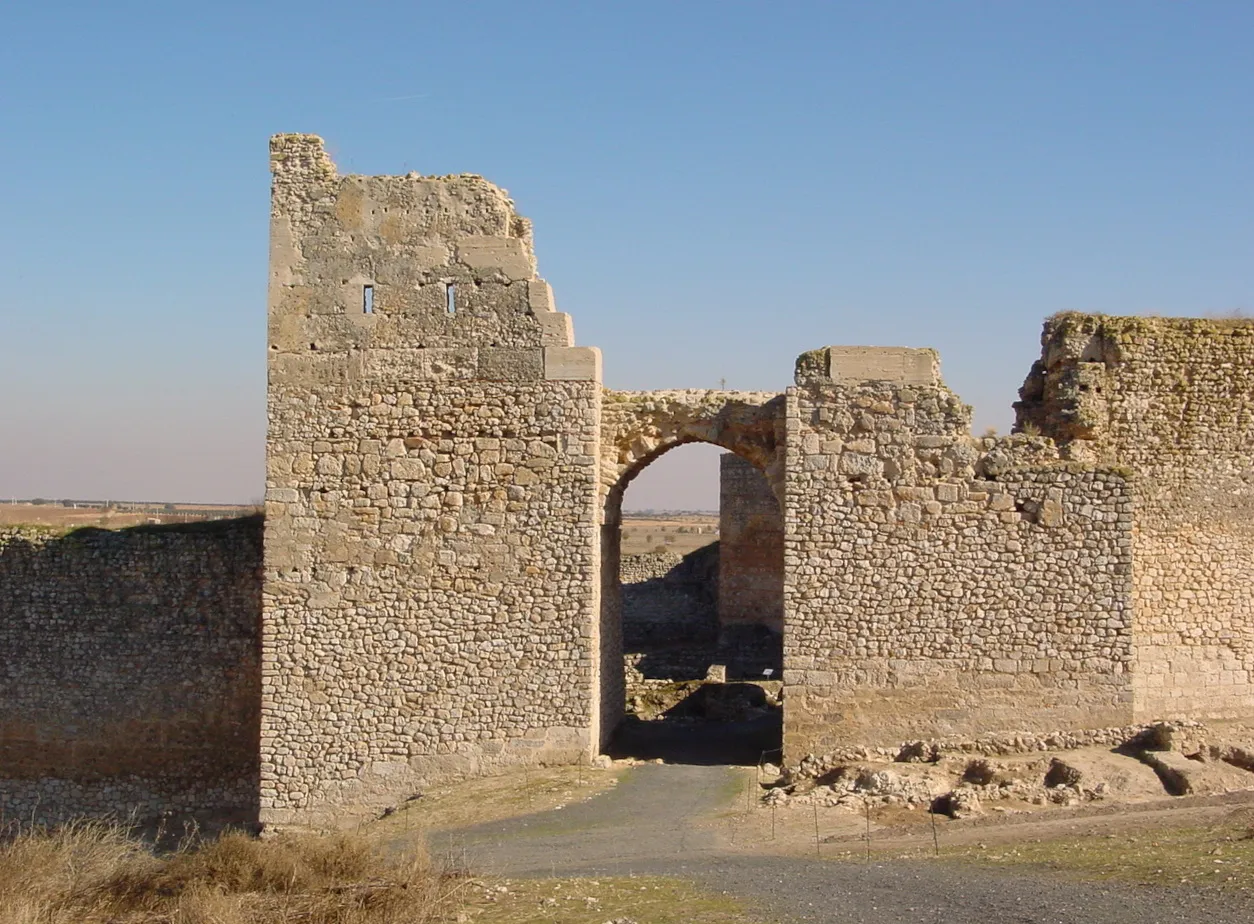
(692,609)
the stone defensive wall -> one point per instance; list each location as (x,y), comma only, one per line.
(1172,401)
(670,623)
(670,598)
(440,590)
(131,681)
(937,583)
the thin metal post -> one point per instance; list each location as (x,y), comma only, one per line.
(867,804)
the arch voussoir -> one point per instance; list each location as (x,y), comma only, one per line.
(638,426)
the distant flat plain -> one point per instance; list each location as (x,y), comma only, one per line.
(57,516)
(667,532)
(651,532)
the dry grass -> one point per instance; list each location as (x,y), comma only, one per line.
(93,873)
(1221,855)
(652,899)
(1213,847)
(491,798)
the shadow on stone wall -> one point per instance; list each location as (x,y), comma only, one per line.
(671,626)
(131,682)
(670,614)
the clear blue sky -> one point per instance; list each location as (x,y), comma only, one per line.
(716,187)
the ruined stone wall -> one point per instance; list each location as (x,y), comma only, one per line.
(1172,400)
(440,590)
(670,598)
(646,566)
(130,682)
(433,461)
(670,616)
(751,541)
(937,583)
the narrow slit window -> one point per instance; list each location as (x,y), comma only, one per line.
(450,298)
(367,299)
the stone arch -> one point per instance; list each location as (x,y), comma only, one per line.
(636,429)
(639,426)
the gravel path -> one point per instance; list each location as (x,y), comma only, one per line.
(798,890)
(655,811)
(661,820)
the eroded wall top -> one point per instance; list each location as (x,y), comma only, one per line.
(1133,385)
(439,272)
(1169,398)
(432,477)
(1170,401)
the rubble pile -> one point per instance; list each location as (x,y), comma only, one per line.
(960,778)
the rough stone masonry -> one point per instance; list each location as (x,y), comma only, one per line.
(446,474)
(131,677)
(433,479)
(441,590)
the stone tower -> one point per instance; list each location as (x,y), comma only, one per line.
(432,477)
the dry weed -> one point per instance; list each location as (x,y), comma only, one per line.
(93,873)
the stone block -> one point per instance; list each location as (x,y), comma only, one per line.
(899,365)
(455,363)
(422,364)
(1001,502)
(488,255)
(572,364)
(540,297)
(853,463)
(504,365)
(1050,514)
(556,329)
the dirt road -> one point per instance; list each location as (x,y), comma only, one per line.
(681,820)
